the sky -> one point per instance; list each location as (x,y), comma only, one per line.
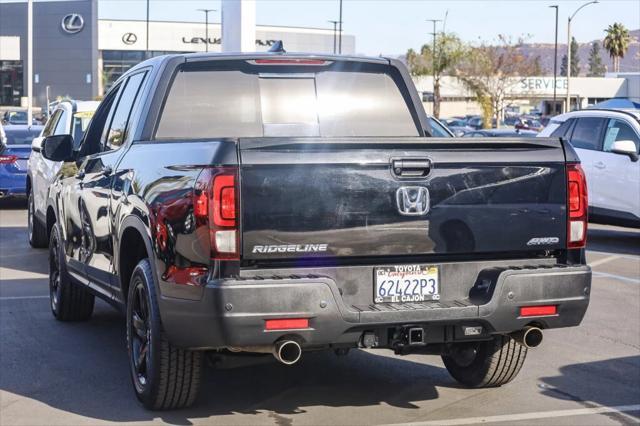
(393,26)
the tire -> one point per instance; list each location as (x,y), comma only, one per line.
(37,231)
(164,376)
(485,364)
(69,301)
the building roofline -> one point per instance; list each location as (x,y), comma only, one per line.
(218,23)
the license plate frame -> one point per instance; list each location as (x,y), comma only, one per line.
(390,283)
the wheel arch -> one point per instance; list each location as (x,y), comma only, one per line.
(134,244)
(51,219)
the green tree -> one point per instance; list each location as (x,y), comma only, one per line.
(490,72)
(596,67)
(449,51)
(537,69)
(616,43)
(575,60)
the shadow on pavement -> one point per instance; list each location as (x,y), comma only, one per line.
(16,254)
(611,382)
(82,368)
(612,241)
(13,204)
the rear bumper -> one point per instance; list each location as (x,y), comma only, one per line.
(233,312)
(13,193)
(13,184)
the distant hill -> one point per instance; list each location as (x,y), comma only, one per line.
(630,62)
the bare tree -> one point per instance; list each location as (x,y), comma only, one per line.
(490,72)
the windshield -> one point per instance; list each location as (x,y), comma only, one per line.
(22,136)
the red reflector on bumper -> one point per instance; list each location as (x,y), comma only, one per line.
(286,323)
(538,311)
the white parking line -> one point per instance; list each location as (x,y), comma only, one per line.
(616,277)
(527,416)
(603,260)
(22,297)
(15,274)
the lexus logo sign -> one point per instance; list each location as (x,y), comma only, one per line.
(72,23)
(129,38)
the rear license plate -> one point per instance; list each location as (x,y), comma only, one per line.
(406,283)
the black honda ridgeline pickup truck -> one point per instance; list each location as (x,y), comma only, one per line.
(283,203)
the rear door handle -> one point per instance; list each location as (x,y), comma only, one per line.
(599,165)
(411,167)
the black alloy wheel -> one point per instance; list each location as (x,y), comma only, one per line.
(140,333)
(55,287)
(164,376)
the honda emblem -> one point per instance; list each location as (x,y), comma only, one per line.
(413,200)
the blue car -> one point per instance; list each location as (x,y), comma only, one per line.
(14,153)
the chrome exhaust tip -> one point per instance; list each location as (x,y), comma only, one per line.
(529,337)
(288,352)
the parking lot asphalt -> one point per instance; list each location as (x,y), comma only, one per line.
(57,373)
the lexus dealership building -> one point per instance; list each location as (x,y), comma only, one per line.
(75,54)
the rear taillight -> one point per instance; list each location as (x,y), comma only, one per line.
(577,207)
(215,203)
(8,159)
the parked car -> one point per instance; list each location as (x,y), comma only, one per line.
(455,122)
(14,152)
(510,120)
(500,133)
(67,117)
(528,123)
(17,117)
(608,143)
(475,122)
(460,131)
(220,216)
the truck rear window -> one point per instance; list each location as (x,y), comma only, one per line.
(204,104)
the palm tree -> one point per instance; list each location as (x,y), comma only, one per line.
(617,42)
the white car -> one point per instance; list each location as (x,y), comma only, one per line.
(67,118)
(608,144)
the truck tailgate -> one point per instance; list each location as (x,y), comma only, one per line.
(341,197)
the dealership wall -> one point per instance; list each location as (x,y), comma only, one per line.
(67,63)
(528,92)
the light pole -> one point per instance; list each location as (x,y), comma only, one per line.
(335,23)
(146,53)
(340,30)
(30,62)
(555,62)
(433,60)
(206,26)
(569,52)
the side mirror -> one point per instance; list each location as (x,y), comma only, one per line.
(58,148)
(625,147)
